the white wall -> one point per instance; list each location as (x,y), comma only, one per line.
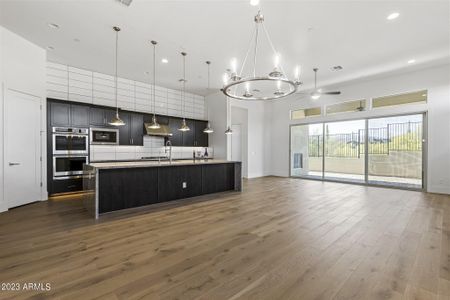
(259,132)
(22,68)
(436,80)
(239,116)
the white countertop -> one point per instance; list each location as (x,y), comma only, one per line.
(143,164)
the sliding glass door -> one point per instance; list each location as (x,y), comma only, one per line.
(344,150)
(391,153)
(307,150)
(395,151)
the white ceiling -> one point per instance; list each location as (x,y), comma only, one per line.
(353,34)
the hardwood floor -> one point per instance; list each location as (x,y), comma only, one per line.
(280,238)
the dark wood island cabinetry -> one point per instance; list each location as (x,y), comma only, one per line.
(116,186)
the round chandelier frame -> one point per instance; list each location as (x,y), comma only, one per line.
(235,83)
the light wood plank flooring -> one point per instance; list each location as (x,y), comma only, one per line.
(280,238)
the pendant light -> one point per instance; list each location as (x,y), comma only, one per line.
(184,126)
(154,124)
(116,120)
(208,128)
(228,131)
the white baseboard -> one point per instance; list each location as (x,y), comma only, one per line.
(439,189)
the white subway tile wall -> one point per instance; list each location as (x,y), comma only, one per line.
(153,146)
(74,84)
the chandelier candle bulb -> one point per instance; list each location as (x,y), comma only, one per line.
(233,65)
(276,61)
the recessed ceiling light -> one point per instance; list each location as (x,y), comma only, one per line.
(51,48)
(393,16)
(76,40)
(336,68)
(164,60)
(53,25)
(147,72)
(411,61)
(254,2)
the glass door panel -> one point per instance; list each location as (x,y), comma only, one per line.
(307,150)
(395,151)
(344,151)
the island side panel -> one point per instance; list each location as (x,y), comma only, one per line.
(89,189)
(238,176)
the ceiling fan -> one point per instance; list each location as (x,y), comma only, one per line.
(316,93)
(360,107)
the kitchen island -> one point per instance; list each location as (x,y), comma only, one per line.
(114,186)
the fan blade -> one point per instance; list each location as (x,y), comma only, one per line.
(332,93)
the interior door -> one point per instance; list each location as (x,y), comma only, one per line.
(22,149)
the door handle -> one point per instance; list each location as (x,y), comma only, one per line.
(14,164)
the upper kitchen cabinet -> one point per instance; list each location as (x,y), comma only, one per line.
(200,138)
(132,133)
(59,114)
(100,116)
(189,136)
(67,115)
(79,115)
(177,137)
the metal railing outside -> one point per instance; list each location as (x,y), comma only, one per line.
(395,137)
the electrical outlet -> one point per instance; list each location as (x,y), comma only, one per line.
(184,185)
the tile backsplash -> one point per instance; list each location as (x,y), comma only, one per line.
(153,146)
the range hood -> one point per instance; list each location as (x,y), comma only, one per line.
(163,130)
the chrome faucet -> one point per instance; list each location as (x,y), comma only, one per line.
(168,144)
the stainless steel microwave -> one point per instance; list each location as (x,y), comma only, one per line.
(104,136)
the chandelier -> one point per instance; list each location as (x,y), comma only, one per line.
(273,85)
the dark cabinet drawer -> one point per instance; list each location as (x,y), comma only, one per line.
(66,185)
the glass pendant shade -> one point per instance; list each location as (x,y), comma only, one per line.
(116,121)
(208,129)
(229,131)
(184,126)
(154,124)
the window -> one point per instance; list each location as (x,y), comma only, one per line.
(304,113)
(410,98)
(349,106)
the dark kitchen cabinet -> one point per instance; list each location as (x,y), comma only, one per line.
(177,136)
(79,115)
(137,129)
(69,115)
(112,189)
(126,188)
(132,133)
(218,178)
(177,182)
(188,136)
(200,138)
(65,185)
(59,114)
(100,117)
